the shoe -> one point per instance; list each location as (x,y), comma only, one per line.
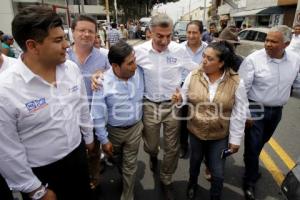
(153,163)
(191,191)
(249,193)
(168,192)
(183,152)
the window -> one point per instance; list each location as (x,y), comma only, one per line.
(242,35)
(251,35)
(261,37)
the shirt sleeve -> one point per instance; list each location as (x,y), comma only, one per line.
(187,61)
(14,166)
(246,73)
(99,115)
(86,123)
(296,86)
(238,115)
(185,87)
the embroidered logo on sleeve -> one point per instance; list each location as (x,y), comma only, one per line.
(171,60)
(74,88)
(35,105)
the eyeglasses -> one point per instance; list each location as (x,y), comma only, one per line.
(83,31)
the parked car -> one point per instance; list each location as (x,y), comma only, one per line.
(251,39)
(179,31)
(144,23)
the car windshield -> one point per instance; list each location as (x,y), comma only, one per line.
(181,26)
(144,24)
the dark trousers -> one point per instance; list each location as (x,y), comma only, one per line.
(184,132)
(5,192)
(255,138)
(68,177)
(211,149)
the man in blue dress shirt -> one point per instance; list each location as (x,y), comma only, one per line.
(117,113)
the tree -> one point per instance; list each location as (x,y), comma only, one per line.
(135,9)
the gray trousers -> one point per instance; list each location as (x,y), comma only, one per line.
(126,143)
(155,115)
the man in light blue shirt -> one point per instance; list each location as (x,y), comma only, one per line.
(117,112)
(83,53)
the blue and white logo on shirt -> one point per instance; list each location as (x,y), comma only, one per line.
(171,60)
(35,105)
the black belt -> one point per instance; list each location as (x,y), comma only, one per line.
(125,127)
(160,102)
(268,107)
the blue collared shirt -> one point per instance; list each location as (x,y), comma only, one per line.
(95,61)
(118,103)
(196,57)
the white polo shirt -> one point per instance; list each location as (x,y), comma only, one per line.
(40,124)
(7,62)
(162,70)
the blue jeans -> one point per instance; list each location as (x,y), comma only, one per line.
(211,149)
(256,137)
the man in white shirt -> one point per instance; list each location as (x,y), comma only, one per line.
(162,62)
(268,75)
(5,63)
(195,48)
(44,113)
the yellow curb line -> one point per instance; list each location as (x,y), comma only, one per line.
(288,161)
(271,167)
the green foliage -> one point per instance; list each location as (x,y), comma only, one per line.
(134,9)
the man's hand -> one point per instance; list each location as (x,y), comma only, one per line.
(176,97)
(50,195)
(108,149)
(234,148)
(96,79)
(90,147)
(249,123)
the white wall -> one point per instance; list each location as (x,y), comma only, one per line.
(256,4)
(6,16)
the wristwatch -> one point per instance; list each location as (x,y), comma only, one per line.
(39,193)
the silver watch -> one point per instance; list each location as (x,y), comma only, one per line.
(39,193)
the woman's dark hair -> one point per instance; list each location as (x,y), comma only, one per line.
(197,23)
(225,53)
(118,52)
(34,22)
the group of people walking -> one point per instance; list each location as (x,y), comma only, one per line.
(59,103)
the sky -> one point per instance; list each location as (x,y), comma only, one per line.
(175,10)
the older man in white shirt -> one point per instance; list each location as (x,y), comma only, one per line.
(44,110)
(268,75)
(162,62)
(295,42)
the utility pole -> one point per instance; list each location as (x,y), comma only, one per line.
(82,6)
(204,10)
(190,11)
(107,11)
(116,10)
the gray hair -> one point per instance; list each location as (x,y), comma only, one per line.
(161,20)
(285,30)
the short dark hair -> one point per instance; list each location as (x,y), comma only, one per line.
(197,23)
(212,24)
(83,18)
(118,52)
(34,22)
(225,53)
(114,25)
(1,33)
